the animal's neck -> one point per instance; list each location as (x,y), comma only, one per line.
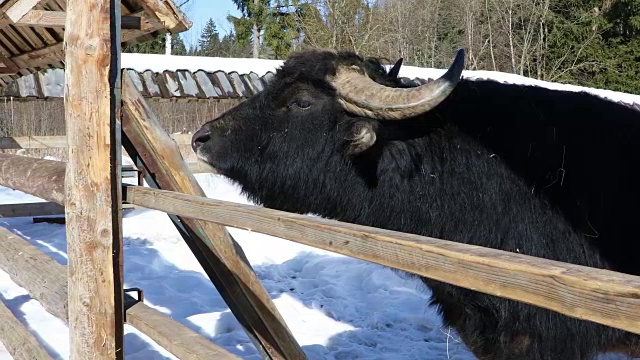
(442,186)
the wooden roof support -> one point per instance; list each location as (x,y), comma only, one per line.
(9,68)
(174,19)
(220,256)
(18,10)
(92,182)
(58,18)
(47,55)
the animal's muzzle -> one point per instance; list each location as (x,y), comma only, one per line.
(199,138)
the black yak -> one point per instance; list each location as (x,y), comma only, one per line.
(546,173)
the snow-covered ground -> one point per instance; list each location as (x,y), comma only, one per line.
(337,307)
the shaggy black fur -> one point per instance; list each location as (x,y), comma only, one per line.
(524,169)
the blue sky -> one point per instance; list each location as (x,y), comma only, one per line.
(199,11)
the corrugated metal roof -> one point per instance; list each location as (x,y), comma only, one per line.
(182,84)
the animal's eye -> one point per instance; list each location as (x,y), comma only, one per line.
(302,104)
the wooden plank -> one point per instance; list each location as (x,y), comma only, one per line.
(40,209)
(20,8)
(21,344)
(602,296)
(55,53)
(170,15)
(58,18)
(33,142)
(45,280)
(9,67)
(93,214)
(175,337)
(11,167)
(30,209)
(221,258)
(46,142)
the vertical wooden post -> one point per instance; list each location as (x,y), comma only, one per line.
(93,185)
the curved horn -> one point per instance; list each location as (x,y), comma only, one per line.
(362,96)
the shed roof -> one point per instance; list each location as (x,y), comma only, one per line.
(179,84)
(32,31)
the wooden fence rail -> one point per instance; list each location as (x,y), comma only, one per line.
(52,142)
(46,281)
(602,296)
(55,142)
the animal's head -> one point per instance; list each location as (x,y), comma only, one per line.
(321,110)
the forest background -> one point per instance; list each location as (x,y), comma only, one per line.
(593,43)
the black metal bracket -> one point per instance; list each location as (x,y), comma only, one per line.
(129,300)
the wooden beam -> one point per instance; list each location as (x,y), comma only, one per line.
(58,18)
(20,343)
(9,68)
(46,142)
(93,214)
(176,338)
(18,10)
(54,53)
(40,209)
(170,15)
(45,280)
(38,177)
(30,209)
(602,296)
(221,258)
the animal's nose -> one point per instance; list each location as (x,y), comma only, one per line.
(200,137)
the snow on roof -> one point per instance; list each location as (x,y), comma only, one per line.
(507,78)
(213,77)
(160,63)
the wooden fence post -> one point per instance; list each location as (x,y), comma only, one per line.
(93,186)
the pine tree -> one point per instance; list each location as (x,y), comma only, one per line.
(254,18)
(282,31)
(157,46)
(209,42)
(177,45)
(607,37)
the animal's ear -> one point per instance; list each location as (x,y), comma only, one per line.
(362,137)
(395,70)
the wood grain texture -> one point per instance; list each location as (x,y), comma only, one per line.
(21,344)
(221,258)
(45,280)
(58,18)
(38,177)
(168,13)
(176,336)
(55,53)
(9,67)
(20,9)
(46,142)
(602,296)
(93,217)
(40,209)
(30,209)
